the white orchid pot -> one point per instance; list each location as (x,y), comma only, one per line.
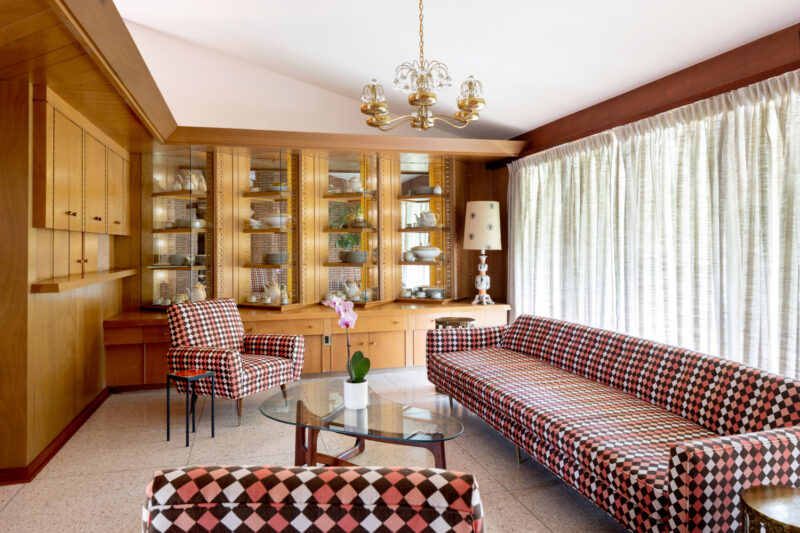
(356,395)
(356,420)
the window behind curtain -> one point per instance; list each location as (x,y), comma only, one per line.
(683,228)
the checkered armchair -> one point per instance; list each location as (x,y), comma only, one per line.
(210,335)
(284,500)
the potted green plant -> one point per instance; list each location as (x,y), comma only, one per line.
(356,389)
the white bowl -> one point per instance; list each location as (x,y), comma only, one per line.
(426,253)
(273,221)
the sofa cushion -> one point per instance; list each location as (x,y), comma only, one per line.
(620,438)
(263,372)
(722,396)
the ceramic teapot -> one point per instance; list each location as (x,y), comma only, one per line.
(273,291)
(352,290)
(427,220)
(198,292)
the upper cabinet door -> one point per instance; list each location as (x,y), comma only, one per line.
(95,180)
(117,197)
(67,183)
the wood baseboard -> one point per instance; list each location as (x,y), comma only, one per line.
(26,474)
(134,388)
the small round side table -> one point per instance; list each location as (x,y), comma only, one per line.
(450,322)
(775,508)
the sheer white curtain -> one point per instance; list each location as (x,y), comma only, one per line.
(683,228)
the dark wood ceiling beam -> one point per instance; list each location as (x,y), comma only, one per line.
(763,58)
(476,148)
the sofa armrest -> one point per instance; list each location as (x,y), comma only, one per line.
(345,496)
(291,347)
(226,364)
(707,476)
(463,339)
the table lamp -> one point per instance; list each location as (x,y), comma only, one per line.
(482,232)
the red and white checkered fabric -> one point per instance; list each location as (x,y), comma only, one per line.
(210,324)
(267,361)
(336,499)
(604,418)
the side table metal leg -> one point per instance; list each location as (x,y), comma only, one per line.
(212,407)
(193,386)
(187,414)
(167,408)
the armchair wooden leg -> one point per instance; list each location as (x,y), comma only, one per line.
(283,390)
(451,402)
(239,408)
(516,451)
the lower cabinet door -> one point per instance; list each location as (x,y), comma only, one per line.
(358,341)
(387,349)
(312,359)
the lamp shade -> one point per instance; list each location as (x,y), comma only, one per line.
(482,226)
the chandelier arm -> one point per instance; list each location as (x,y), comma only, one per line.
(395,122)
(461,124)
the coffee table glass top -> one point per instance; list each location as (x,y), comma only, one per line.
(319,404)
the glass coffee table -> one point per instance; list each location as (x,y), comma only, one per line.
(318,405)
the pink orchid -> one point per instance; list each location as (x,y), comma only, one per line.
(347,319)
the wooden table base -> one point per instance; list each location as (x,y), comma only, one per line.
(305,449)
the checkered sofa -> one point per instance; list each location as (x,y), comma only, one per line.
(210,335)
(661,438)
(274,498)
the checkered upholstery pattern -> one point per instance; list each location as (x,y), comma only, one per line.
(242,364)
(633,425)
(279,499)
(461,339)
(212,324)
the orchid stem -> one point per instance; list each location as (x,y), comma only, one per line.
(349,371)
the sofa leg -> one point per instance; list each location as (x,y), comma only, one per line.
(516,451)
(283,390)
(451,402)
(239,408)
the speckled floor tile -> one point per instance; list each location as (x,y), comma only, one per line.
(99,477)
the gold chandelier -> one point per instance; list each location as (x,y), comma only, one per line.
(420,78)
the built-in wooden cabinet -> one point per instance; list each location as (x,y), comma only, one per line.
(81,176)
(62,194)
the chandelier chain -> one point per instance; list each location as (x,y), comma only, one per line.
(421,42)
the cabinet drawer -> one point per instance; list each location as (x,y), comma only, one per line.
(426,320)
(115,336)
(155,334)
(285,327)
(380,323)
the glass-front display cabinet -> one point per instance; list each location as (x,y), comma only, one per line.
(352,229)
(426,228)
(176,244)
(272,228)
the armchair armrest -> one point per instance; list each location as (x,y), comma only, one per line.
(707,476)
(463,339)
(291,347)
(226,364)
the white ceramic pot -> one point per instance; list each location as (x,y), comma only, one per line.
(356,420)
(356,395)
(272,221)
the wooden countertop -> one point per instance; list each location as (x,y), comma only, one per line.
(155,318)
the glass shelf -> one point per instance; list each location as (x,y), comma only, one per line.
(352,198)
(272,253)
(176,234)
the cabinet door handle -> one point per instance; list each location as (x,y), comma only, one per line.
(98,218)
(74,213)
(373,343)
(69,213)
(396,322)
(310,326)
(249,330)
(117,222)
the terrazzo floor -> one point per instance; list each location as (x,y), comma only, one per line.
(96,482)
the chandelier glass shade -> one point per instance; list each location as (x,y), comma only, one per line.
(420,79)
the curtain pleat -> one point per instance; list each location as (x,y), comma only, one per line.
(683,228)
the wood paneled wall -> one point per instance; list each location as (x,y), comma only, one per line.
(476,182)
(15,219)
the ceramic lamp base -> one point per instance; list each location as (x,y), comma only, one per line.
(483,299)
(482,282)
(356,395)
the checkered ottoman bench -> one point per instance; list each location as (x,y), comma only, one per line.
(661,438)
(287,500)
